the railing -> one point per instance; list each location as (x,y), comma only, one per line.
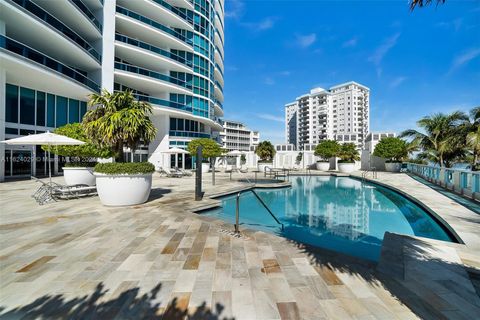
(82,7)
(152,23)
(365,173)
(38,57)
(162,102)
(237,209)
(149,47)
(174,10)
(464,182)
(219,86)
(151,74)
(189,134)
(58,25)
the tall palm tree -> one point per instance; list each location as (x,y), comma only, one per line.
(443,140)
(118,120)
(422,3)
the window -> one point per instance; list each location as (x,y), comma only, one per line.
(27,106)
(62,111)
(11,103)
(50,110)
(73,110)
(40,108)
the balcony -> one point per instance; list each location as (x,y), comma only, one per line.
(164,103)
(135,25)
(148,56)
(35,18)
(149,81)
(161,11)
(35,69)
(188,134)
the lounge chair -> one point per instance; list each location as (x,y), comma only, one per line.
(184,172)
(172,173)
(53,191)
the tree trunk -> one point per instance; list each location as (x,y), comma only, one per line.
(120,157)
(212,165)
(441,161)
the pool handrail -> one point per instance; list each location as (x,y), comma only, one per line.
(237,209)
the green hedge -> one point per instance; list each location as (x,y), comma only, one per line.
(125,168)
(79,164)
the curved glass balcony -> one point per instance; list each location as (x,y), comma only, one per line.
(219,86)
(219,53)
(56,24)
(174,10)
(149,47)
(152,23)
(31,54)
(219,104)
(151,74)
(188,134)
(219,69)
(162,102)
(80,5)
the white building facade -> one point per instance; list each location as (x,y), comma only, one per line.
(340,113)
(53,54)
(236,136)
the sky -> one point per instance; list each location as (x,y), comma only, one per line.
(415,63)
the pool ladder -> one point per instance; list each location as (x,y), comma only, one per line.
(237,209)
(373,170)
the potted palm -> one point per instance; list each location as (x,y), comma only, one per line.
(81,158)
(265,151)
(393,150)
(117,120)
(348,154)
(210,150)
(326,150)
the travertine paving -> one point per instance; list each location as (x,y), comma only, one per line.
(78,259)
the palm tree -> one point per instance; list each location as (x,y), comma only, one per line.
(422,3)
(443,140)
(473,135)
(117,120)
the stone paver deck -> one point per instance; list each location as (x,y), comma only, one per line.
(78,259)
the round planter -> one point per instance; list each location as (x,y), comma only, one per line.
(393,166)
(123,190)
(205,167)
(78,175)
(323,166)
(263,165)
(346,167)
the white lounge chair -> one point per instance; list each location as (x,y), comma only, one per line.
(53,191)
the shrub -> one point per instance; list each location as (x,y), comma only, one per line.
(81,155)
(327,149)
(299,157)
(348,153)
(392,149)
(265,151)
(243,159)
(125,168)
(211,149)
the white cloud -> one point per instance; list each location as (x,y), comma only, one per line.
(265,24)
(380,52)
(270,117)
(464,58)
(269,81)
(350,43)
(307,40)
(234,9)
(397,81)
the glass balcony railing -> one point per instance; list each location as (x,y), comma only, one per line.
(52,64)
(188,134)
(146,46)
(162,102)
(219,69)
(174,10)
(152,23)
(152,74)
(219,86)
(59,26)
(80,5)
(219,104)
(219,52)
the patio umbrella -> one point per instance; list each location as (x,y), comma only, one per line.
(235,153)
(176,152)
(44,139)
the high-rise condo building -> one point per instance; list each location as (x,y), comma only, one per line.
(340,113)
(236,136)
(53,54)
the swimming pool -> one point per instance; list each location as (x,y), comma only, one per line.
(337,213)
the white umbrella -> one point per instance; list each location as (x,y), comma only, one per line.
(44,139)
(235,153)
(175,151)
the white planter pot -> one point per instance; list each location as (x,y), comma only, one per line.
(393,166)
(323,166)
(80,175)
(263,165)
(346,167)
(205,167)
(123,190)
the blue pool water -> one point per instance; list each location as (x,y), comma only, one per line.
(336,213)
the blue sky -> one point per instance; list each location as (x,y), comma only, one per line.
(415,63)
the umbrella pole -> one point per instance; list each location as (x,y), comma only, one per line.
(49,166)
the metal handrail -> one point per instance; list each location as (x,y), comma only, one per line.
(365,172)
(237,209)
